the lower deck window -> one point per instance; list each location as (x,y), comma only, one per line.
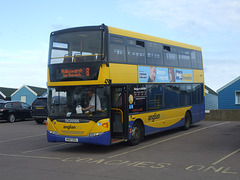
(164,96)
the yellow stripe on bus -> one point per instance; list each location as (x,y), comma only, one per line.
(161,119)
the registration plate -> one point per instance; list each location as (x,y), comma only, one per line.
(71,139)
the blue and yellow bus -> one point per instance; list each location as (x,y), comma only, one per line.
(107,85)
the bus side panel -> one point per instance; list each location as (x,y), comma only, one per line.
(151,130)
(198,112)
(161,120)
(168,119)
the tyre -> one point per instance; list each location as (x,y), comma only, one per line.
(39,121)
(136,134)
(188,121)
(11,118)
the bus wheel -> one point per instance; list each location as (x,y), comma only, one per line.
(136,134)
(11,118)
(188,121)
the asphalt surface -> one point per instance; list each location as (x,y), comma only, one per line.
(209,150)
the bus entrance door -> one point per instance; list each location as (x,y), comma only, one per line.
(119,117)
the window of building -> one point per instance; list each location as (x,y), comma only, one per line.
(24,98)
(237,97)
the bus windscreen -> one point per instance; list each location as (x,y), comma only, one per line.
(81,46)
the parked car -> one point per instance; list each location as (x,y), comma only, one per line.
(12,110)
(39,109)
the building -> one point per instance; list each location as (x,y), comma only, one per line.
(229,95)
(211,99)
(28,94)
(5,93)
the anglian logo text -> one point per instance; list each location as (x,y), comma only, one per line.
(69,127)
(154,117)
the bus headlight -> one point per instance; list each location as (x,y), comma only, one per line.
(95,134)
(54,132)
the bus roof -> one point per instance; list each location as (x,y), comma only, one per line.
(136,35)
(122,32)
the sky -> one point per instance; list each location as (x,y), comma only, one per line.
(25,27)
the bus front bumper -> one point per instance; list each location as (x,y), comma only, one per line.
(102,139)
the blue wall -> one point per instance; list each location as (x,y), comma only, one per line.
(30,97)
(211,101)
(226,97)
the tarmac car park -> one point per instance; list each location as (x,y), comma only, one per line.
(208,150)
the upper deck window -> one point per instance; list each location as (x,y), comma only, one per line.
(154,54)
(76,47)
(170,56)
(123,49)
(117,51)
(184,58)
(136,51)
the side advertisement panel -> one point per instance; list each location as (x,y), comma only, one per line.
(163,75)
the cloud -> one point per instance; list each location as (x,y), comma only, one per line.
(212,24)
(197,15)
(56,27)
(23,67)
(219,74)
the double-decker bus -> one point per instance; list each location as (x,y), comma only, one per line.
(107,85)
